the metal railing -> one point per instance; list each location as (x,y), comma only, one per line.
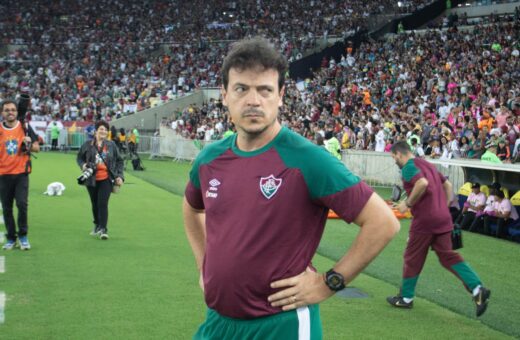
(377,169)
(66,140)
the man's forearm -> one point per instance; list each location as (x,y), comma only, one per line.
(418,190)
(378,227)
(448,190)
(194,225)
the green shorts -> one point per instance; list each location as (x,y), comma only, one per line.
(301,324)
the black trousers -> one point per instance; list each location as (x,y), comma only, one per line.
(54,144)
(454,212)
(502,230)
(99,196)
(132,148)
(14,187)
(477,225)
(465,219)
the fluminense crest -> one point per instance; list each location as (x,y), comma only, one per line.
(269,186)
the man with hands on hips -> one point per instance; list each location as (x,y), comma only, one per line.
(255,209)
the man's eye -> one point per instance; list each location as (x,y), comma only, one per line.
(239,89)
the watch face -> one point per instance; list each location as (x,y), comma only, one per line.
(335,280)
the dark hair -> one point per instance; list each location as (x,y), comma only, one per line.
(499,193)
(250,53)
(319,139)
(496,185)
(328,135)
(8,101)
(401,147)
(100,123)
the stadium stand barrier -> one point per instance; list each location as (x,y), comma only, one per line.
(376,168)
(379,170)
(66,141)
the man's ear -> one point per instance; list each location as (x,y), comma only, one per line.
(282,92)
(223,93)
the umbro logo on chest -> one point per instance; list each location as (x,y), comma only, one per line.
(213,188)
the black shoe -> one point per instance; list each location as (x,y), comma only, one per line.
(481,300)
(103,234)
(398,301)
(96,231)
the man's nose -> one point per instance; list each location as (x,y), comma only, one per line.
(253,98)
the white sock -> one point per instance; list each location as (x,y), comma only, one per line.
(407,300)
(476,290)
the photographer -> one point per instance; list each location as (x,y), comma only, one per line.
(102,167)
(15,166)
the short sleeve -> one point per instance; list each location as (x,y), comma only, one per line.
(441,177)
(194,196)
(410,172)
(349,202)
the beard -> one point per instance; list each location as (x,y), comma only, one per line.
(252,115)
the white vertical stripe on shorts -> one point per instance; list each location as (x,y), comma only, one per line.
(2,307)
(2,264)
(304,323)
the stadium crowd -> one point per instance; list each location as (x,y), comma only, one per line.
(450,94)
(108,58)
(455,91)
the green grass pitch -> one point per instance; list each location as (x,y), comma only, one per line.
(143,284)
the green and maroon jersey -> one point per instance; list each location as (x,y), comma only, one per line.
(265,215)
(431,214)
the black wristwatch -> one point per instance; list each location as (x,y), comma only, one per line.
(334,280)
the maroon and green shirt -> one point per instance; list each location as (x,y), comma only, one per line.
(265,215)
(431,214)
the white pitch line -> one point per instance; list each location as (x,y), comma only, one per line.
(2,270)
(1,231)
(2,307)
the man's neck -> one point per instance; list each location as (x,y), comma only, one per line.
(11,124)
(407,159)
(250,142)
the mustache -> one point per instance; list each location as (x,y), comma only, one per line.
(252,112)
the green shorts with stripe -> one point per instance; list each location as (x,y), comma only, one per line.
(303,323)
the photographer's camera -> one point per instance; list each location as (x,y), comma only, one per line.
(86,174)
